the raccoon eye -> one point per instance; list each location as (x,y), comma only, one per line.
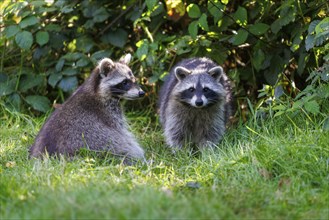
(191,89)
(125,82)
(206,89)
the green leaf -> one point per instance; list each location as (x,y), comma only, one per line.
(42,37)
(259,28)
(29,81)
(193,29)
(24,40)
(276,67)
(15,100)
(53,27)
(159,8)
(28,21)
(309,42)
(297,41)
(321,38)
(241,16)
(312,107)
(38,4)
(100,54)
(11,30)
(323,90)
(302,61)
(151,4)
(278,91)
(54,79)
(39,103)
(279,113)
(279,108)
(182,46)
(312,25)
(84,61)
(276,26)
(203,23)
(60,64)
(71,57)
(89,24)
(326,124)
(67,9)
(142,51)
(6,88)
(297,104)
(322,26)
(321,32)
(3,77)
(218,55)
(85,44)
(287,16)
(240,37)
(117,38)
(153,79)
(100,15)
(68,83)
(69,72)
(214,10)
(258,59)
(193,11)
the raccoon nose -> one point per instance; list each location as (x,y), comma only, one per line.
(198,102)
(141,93)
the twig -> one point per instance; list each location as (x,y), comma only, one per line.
(148,33)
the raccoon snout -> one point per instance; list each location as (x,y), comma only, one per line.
(141,93)
(198,103)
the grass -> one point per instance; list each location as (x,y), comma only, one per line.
(275,169)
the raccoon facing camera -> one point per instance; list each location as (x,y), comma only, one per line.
(92,117)
(195,104)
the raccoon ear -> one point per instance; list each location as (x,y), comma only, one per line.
(216,72)
(181,72)
(125,59)
(105,66)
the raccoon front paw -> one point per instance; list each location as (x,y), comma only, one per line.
(137,152)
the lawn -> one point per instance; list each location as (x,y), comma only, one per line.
(277,168)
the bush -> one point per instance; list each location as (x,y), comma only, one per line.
(49,47)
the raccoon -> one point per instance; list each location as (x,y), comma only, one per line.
(92,117)
(195,103)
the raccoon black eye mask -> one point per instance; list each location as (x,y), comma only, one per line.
(199,96)
(195,103)
(122,87)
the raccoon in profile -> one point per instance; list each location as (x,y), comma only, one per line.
(195,103)
(92,117)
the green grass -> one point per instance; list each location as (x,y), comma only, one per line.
(277,169)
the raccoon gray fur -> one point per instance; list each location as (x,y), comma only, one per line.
(92,117)
(195,103)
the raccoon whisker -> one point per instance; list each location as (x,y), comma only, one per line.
(117,90)
(183,100)
(213,100)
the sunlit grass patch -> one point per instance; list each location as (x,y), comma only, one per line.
(274,169)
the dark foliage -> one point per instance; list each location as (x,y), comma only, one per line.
(49,47)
